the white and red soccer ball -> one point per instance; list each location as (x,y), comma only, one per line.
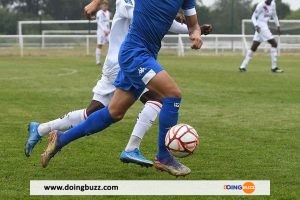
(182,140)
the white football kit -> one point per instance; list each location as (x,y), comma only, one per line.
(102,18)
(104,89)
(261,16)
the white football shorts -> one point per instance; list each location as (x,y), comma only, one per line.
(263,36)
(104,90)
(102,39)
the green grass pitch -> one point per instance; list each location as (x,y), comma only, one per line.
(249,123)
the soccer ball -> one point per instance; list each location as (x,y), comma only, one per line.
(182,140)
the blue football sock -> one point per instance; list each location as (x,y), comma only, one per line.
(96,122)
(168,117)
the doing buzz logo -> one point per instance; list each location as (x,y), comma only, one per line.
(247,187)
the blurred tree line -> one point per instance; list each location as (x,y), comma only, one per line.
(225,15)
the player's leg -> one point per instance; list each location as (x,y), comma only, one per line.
(165,86)
(36,130)
(96,122)
(152,106)
(101,40)
(274,54)
(103,92)
(98,54)
(63,123)
(249,56)
(150,73)
(147,116)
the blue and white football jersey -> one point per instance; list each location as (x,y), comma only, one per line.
(152,20)
(137,57)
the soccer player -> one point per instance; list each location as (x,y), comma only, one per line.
(138,69)
(264,11)
(104,89)
(103,29)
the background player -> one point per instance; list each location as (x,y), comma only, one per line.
(104,89)
(103,29)
(260,18)
(139,68)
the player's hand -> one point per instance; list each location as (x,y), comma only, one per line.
(257,28)
(91,9)
(196,39)
(206,29)
(180,18)
(278,30)
(106,33)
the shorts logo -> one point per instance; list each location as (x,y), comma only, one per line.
(247,187)
(176,105)
(141,70)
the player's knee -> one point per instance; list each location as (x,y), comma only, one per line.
(150,96)
(175,92)
(273,43)
(94,106)
(253,48)
(178,93)
(117,115)
(255,45)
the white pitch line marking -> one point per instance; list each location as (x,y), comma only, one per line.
(67,72)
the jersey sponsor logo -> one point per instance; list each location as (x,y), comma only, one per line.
(128,2)
(266,9)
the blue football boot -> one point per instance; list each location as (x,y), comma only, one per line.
(135,157)
(33,137)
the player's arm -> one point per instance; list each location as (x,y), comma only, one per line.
(124,9)
(129,12)
(179,25)
(276,20)
(91,9)
(190,14)
(181,28)
(100,24)
(194,31)
(254,17)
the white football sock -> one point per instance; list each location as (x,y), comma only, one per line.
(144,121)
(98,56)
(134,142)
(247,59)
(64,123)
(274,54)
